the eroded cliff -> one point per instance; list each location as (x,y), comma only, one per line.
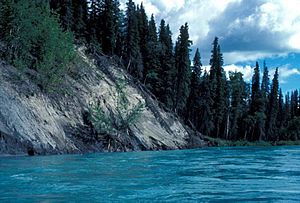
(32,121)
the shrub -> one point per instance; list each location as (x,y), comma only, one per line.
(124,117)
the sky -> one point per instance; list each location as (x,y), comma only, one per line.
(248,31)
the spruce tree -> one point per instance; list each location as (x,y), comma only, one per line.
(193,102)
(109,21)
(65,10)
(152,68)
(205,124)
(121,36)
(132,53)
(183,70)
(143,31)
(80,18)
(271,127)
(219,89)
(238,105)
(281,115)
(6,16)
(265,85)
(294,104)
(93,27)
(256,119)
(167,64)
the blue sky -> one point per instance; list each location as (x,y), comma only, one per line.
(249,31)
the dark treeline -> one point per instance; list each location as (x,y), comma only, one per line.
(209,101)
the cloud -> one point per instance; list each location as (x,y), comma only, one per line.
(248,30)
(247,71)
(285,72)
(149,6)
(258,28)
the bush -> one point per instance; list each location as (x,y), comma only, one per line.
(124,117)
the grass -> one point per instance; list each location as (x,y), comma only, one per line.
(227,143)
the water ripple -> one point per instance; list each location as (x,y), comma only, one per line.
(242,174)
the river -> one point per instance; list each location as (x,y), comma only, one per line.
(245,174)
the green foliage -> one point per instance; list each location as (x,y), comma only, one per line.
(31,37)
(167,64)
(80,19)
(206,124)
(152,67)
(183,70)
(132,52)
(218,89)
(101,122)
(265,85)
(124,117)
(108,19)
(271,125)
(293,129)
(36,41)
(238,106)
(194,100)
(143,31)
(6,15)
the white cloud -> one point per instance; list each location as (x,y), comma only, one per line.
(150,8)
(172,5)
(198,14)
(261,29)
(240,56)
(248,30)
(247,71)
(285,72)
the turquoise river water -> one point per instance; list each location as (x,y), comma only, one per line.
(244,174)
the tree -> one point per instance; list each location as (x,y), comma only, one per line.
(218,90)
(6,16)
(265,85)
(271,127)
(152,67)
(167,63)
(80,18)
(133,57)
(238,105)
(43,47)
(294,103)
(182,64)
(109,21)
(121,36)
(94,40)
(281,115)
(256,128)
(65,10)
(205,124)
(143,25)
(193,102)
(265,88)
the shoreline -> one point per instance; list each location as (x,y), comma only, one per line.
(212,142)
(217,142)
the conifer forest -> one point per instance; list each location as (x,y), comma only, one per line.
(41,35)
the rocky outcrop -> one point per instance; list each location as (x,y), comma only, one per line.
(34,122)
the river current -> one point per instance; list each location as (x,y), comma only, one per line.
(243,174)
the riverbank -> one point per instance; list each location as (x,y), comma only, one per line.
(227,143)
(87,117)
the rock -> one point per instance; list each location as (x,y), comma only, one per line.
(34,122)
